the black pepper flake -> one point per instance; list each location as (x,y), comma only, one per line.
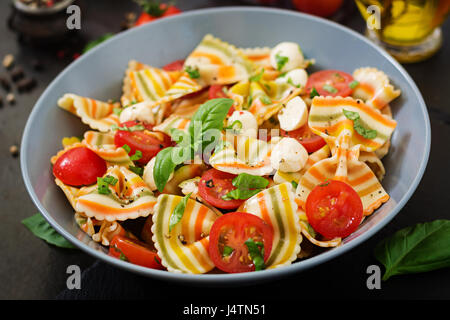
(209,183)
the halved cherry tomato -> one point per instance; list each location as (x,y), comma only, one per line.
(174,66)
(330,83)
(146,141)
(323,8)
(227,237)
(334,209)
(134,252)
(154,11)
(79,167)
(306,137)
(216,91)
(213,185)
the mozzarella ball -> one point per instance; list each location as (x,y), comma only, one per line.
(249,124)
(288,155)
(140,111)
(294,115)
(286,56)
(297,77)
(148,174)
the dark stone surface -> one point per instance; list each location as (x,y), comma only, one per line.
(31,269)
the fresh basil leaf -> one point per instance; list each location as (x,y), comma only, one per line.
(257,77)
(178,212)
(314,93)
(256,252)
(164,166)
(281,61)
(357,125)
(248,181)
(242,194)
(351,115)
(420,248)
(42,229)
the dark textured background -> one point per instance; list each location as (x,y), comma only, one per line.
(32,269)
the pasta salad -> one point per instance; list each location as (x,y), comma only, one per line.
(231,160)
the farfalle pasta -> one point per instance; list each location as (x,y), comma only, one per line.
(231,160)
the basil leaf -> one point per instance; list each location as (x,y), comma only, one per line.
(117,111)
(294,184)
(242,194)
(257,77)
(281,61)
(164,166)
(96,42)
(289,81)
(256,252)
(420,248)
(42,229)
(329,88)
(178,212)
(248,181)
(357,125)
(353,84)
(209,116)
(351,115)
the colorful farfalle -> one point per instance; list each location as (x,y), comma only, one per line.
(173,122)
(276,206)
(103,145)
(219,62)
(146,83)
(69,191)
(327,119)
(96,114)
(344,165)
(185,248)
(242,154)
(129,198)
(374,87)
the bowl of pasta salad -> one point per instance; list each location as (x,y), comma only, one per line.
(226,145)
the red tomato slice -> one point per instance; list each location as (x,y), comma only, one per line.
(163,11)
(146,141)
(79,166)
(306,137)
(330,83)
(134,252)
(334,209)
(216,91)
(174,66)
(213,185)
(227,248)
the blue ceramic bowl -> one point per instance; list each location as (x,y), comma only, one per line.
(98,74)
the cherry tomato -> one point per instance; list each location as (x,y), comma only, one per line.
(147,141)
(330,83)
(155,11)
(216,91)
(306,137)
(134,252)
(334,209)
(323,8)
(174,66)
(213,185)
(227,237)
(79,166)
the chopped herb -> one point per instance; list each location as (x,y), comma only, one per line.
(257,77)
(325,183)
(233,125)
(292,83)
(178,212)
(281,61)
(193,73)
(110,180)
(138,170)
(358,126)
(210,183)
(256,252)
(353,84)
(265,100)
(136,156)
(138,127)
(126,148)
(329,88)
(103,184)
(294,184)
(314,93)
(117,111)
(227,251)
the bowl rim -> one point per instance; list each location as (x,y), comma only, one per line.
(239,278)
